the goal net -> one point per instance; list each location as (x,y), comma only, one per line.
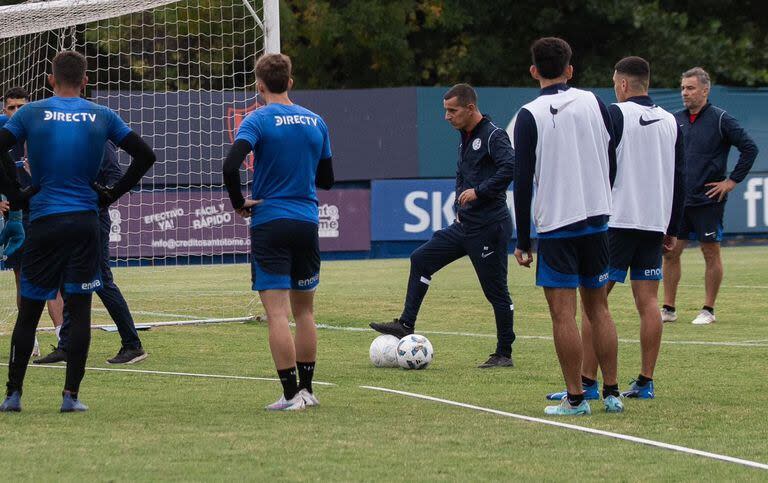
(181,74)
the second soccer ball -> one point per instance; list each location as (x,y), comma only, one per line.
(414,352)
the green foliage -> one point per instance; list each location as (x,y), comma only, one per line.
(367,43)
(373,43)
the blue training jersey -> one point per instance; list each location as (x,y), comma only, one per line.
(288,142)
(65,146)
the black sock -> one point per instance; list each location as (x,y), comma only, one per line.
(505,329)
(709,309)
(669,308)
(22,342)
(642,381)
(288,380)
(585,381)
(418,284)
(73,395)
(79,307)
(575,399)
(610,390)
(306,371)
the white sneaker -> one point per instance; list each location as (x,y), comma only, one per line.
(296,403)
(668,315)
(36,349)
(705,317)
(309,398)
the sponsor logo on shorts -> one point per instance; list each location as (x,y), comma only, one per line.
(652,272)
(91,285)
(711,233)
(603,277)
(308,282)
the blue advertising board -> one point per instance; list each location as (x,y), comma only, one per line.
(747,208)
(414,209)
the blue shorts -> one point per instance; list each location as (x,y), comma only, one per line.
(703,223)
(580,261)
(61,252)
(285,255)
(636,251)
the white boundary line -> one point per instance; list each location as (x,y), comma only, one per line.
(168,373)
(158,314)
(748,343)
(633,439)
(167,324)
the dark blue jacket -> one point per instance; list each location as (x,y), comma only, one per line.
(707,141)
(487,164)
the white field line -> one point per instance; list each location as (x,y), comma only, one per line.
(167,324)
(548,337)
(574,427)
(168,373)
(158,314)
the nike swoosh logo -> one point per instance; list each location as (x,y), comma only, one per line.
(554,110)
(485,254)
(643,122)
(710,234)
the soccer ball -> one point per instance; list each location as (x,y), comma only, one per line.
(383,351)
(414,352)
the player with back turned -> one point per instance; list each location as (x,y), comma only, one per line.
(564,146)
(648,197)
(292,155)
(65,137)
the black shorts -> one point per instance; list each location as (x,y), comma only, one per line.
(285,255)
(636,251)
(703,223)
(61,252)
(573,262)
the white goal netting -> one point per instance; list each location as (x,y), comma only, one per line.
(180,73)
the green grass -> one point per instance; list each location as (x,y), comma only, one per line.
(154,427)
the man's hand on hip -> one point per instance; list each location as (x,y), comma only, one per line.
(720,189)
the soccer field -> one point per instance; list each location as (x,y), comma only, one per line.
(710,383)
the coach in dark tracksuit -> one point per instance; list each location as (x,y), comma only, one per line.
(483,226)
(110,295)
(708,134)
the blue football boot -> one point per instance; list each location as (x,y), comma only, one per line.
(565,409)
(72,404)
(613,404)
(637,391)
(591,393)
(12,403)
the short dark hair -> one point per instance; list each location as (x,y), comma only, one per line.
(274,70)
(700,74)
(16,93)
(637,68)
(464,93)
(551,56)
(69,68)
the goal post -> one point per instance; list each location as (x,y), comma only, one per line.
(181,74)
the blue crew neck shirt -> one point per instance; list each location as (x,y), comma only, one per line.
(287,142)
(65,146)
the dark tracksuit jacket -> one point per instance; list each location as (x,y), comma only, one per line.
(707,142)
(482,230)
(487,164)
